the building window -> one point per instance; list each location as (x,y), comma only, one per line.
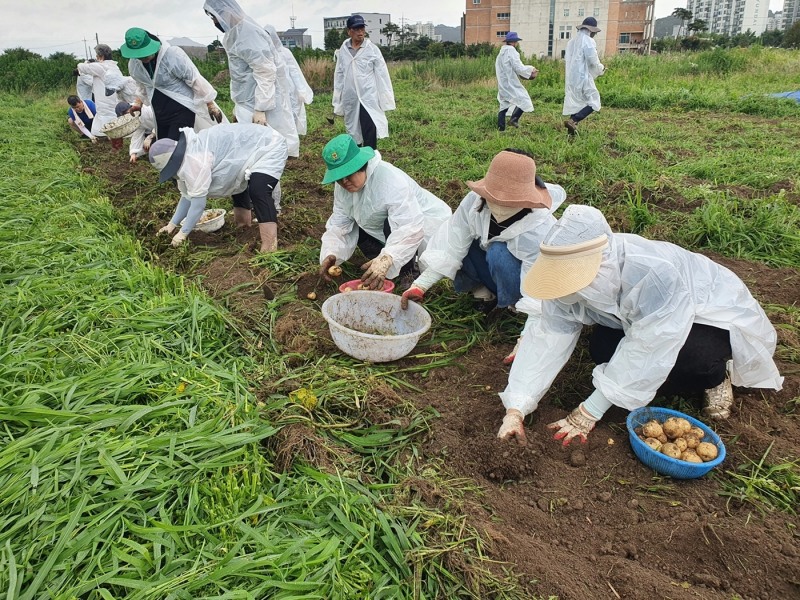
(596,12)
(503,16)
(502,34)
(624,38)
(566,12)
(476,1)
(580,12)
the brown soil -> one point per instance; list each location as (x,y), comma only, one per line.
(578,522)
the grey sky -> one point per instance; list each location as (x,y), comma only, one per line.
(47,26)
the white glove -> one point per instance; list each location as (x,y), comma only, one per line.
(168,228)
(513,427)
(577,424)
(178,239)
(260,117)
(93,138)
(375,271)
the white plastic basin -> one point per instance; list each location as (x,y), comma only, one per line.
(371,326)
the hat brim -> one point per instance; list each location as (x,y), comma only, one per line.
(533,198)
(175,161)
(364,155)
(590,28)
(553,277)
(152,47)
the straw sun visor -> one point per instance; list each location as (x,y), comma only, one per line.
(563,270)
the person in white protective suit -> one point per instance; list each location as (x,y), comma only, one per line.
(125,88)
(362,89)
(666,321)
(493,237)
(84,84)
(582,65)
(510,92)
(377,208)
(300,92)
(245,161)
(100,70)
(170,83)
(260,86)
(144,135)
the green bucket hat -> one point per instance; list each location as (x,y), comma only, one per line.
(343,157)
(138,44)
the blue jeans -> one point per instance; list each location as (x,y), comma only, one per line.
(495,267)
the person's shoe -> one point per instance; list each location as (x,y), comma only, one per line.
(514,123)
(484,294)
(572,126)
(718,401)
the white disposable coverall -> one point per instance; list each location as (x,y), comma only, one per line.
(302,92)
(83,86)
(414,215)
(654,291)
(510,92)
(582,66)
(447,248)
(147,124)
(362,79)
(177,77)
(219,160)
(100,71)
(126,87)
(259,81)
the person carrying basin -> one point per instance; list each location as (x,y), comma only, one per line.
(377,208)
(666,321)
(245,161)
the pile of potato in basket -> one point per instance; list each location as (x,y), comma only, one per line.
(677,438)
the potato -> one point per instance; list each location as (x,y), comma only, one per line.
(670,450)
(691,441)
(697,432)
(311,295)
(681,444)
(707,451)
(652,429)
(335,271)
(653,443)
(663,438)
(675,427)
(691,456)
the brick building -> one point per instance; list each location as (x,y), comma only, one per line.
(486,21)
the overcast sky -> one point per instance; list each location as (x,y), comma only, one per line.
(47,26)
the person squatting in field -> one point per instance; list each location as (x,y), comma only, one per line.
(80,116)
(510,92)
(245,161)
(170,83)
(666,321)
(377,208)
(144,135)
(493,237)
(260,85)
(581,97)
(362,89)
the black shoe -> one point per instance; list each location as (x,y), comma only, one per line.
(485,306)
(572,126)
(514,123)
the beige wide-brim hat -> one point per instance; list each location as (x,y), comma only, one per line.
(511,181)
(570,255)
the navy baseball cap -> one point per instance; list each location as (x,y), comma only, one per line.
(356,21)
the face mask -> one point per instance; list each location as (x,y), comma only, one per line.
(502,213)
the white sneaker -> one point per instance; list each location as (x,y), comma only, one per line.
(483,293)
(718,400)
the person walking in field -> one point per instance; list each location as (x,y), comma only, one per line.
(666,321)
(260,85)
(243,160)
(510,92)
(377,208)
(581,97)
(362,89)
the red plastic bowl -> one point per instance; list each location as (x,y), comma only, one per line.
(349,286)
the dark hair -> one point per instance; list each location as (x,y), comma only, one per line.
(152,36)
(73,100)
(538,180)
(363,168)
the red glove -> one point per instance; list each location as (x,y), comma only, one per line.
(413,293)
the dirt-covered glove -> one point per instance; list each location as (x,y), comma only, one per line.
(414,293)
(178,239)
(133,158)
(260,117)
(326,264)
(509,359)
(534,73)
(512,427)
(168,229)
(375,271)
(214,112)
(577,424)
(93,138)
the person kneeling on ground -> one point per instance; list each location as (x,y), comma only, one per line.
(145,134)
(81,115)
(666,321)
(245,161)
(377,208)
(493,237)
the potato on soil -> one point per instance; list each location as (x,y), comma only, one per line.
(691,456)
(653,443)
(311,295)
(671,450)
(335,271)
(707,451)
(652,429)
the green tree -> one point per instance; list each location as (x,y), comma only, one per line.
(334,38)
(390,31)
(791,38)
(698,26)
(773,38)
(685,15)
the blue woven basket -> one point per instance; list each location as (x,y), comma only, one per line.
(666,465)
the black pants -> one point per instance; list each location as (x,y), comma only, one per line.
(700,364)
(258,196)
(501,118)
(582,114)
(368,131)
(370,247)
(170,116)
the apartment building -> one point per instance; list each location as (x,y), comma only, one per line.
(791,13)
(731,17)
(486,21)
(374,23)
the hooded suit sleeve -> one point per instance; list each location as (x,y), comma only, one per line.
(383,82)
(341,232)
(182,67)
(338,83)
(265,72)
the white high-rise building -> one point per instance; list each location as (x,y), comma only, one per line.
(374,23)
(731,17)
(427,30)
(791,13)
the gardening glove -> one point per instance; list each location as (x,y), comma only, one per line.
(534,73)
(512,427)
(214,112)
(168,229)
(414,293)
(375,271)
(577,424)
(260,117)
(326,264)
(148,141)
(178,239)
(133,158)
(513,354)
(93,138)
